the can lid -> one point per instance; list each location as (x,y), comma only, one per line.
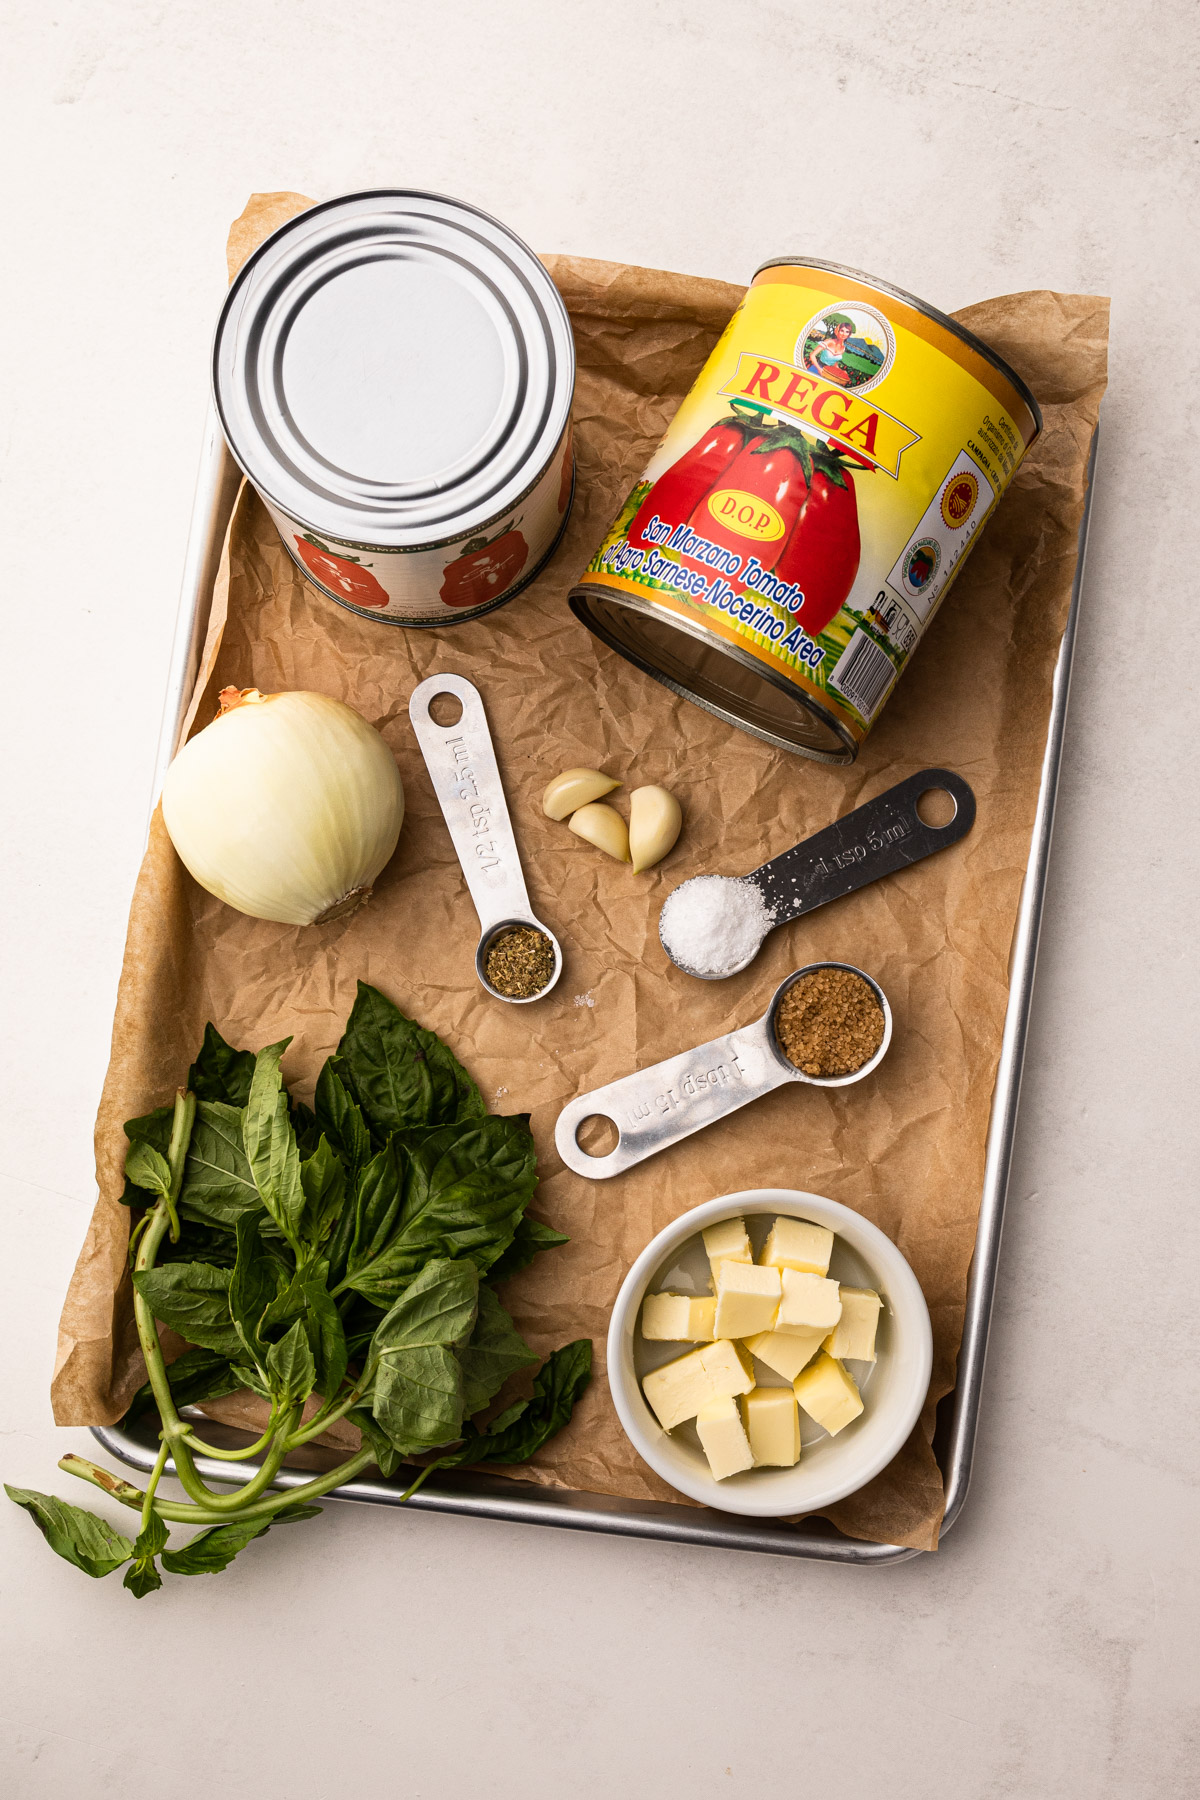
(393,368)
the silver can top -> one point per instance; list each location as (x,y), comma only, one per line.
(393,368)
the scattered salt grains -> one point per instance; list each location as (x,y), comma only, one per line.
(584,1000)
(714,923)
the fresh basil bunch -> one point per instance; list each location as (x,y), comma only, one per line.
(343,1254)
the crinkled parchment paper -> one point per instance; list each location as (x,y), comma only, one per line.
(905,1148)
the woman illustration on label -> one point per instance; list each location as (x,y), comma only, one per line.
(825,356)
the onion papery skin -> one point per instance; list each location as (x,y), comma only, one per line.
(286,807)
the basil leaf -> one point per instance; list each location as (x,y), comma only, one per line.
(530,1238)
(291,1371)
(148,1168)
(218,1187)
(142,1576)
(271,1144)
(220,1072)
(387,1457)
(324,1182)
(494,1351)
(154,1129)
(211,1551)
(200,1243)
(197,1375)
(524,1428)
(193,1299)
(399,1074)
(341,1120)
(449,1191)
(79,1537)
(252,1289)
(418,1381)
(304,1124)
(326,1334)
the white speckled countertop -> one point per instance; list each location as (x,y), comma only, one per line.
(1049,1649)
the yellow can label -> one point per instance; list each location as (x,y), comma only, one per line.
(819,487)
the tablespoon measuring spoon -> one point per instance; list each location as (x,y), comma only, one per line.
(662,1105)
(878,838)
(462,765)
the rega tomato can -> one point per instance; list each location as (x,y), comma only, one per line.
(394,373)
(809,506)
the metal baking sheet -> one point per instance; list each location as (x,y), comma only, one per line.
(523,1503)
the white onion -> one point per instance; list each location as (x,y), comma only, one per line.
(287,806)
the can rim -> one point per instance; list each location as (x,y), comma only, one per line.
(560,392)
(584,591)
(930,312)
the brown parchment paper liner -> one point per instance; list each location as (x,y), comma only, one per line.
(906,1148)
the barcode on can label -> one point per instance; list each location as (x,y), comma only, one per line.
(863,674)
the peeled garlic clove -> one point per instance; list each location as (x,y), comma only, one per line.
(603,826)
(575,788)
(655,821)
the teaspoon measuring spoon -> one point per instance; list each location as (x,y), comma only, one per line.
(878,838)
(662,1105)
(462,766)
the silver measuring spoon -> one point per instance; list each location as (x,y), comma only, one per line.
(878,838)
(462,766)
(661,1106)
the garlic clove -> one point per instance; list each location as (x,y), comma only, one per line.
(575,788)
(655,821)
(603,826)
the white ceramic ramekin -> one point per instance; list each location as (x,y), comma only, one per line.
(831,1467)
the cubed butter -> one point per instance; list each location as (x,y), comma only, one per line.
(723,1438)
(747,1299)
(854,1333)
(773,1427)
(828,1393)
(678,1318)
(795,1244)
(679,1389)
(807,1303)
(727,1241)
(786,1352)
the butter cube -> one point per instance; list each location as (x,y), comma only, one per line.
(773,1427)
(679,1389)
(676,1318)
(786,1352)
(723,1438)
(828,1394)
(727,1242)
(854,1334)
(795,1244)
(808,1303)
(747,1299)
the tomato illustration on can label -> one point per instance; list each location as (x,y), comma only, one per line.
(813,498)
(485,569)
(349,578)
(447,582)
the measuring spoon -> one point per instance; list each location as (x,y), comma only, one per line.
(660,1106)
(878,838)
(462,766)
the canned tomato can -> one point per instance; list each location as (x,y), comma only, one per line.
(394,373)
(809,506)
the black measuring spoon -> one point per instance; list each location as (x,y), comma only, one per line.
(878,838)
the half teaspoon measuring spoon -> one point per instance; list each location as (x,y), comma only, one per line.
(878,838)
(662,1105)
(462,765)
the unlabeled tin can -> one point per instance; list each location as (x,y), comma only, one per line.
(809,506)
(394,373)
